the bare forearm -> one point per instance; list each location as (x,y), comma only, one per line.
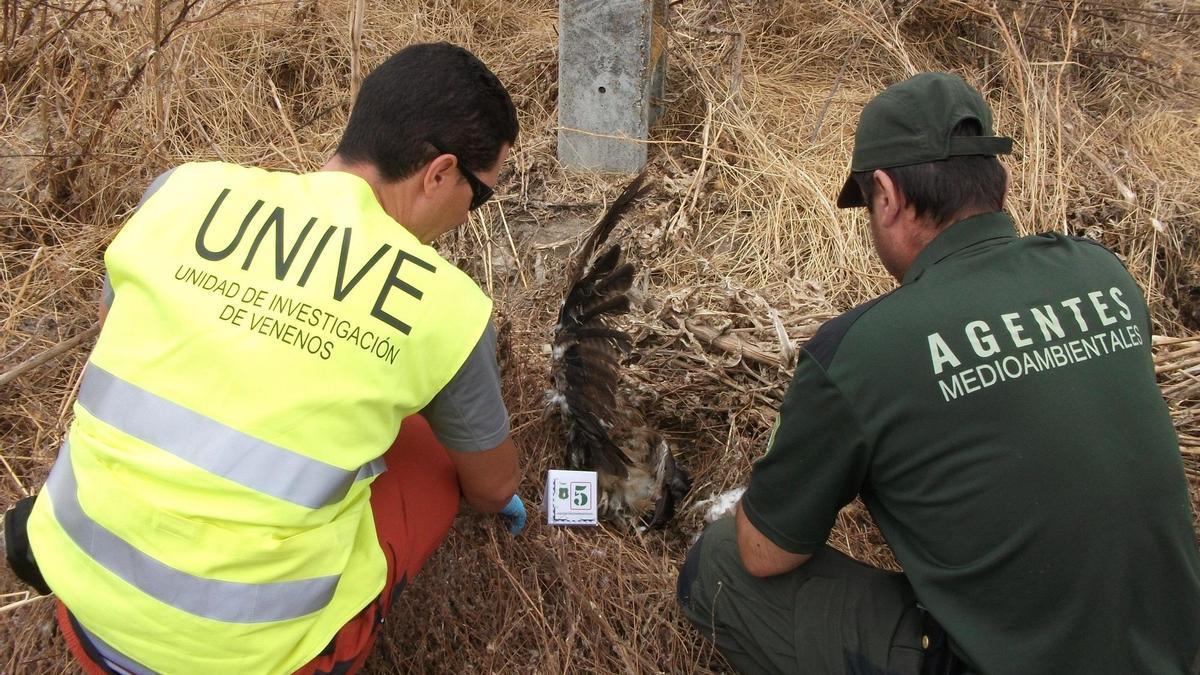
(488,503)
(760,556)
(490,478)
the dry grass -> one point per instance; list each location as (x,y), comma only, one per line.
(743,253)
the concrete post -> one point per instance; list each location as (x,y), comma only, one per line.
(611,70)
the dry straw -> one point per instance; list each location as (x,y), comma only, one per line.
(742,252)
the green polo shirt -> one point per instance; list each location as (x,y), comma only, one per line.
(998,414)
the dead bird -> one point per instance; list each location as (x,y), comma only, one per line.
(639,477)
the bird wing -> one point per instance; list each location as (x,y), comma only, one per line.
(587,348)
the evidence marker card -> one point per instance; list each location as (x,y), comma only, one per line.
(570,497)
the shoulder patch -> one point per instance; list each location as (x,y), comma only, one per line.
(1097,244)
(1083,240)
(1088,240)
(823,346)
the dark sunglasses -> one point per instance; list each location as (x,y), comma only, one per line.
(480,191)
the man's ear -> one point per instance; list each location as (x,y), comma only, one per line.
(888,200)
(439,173)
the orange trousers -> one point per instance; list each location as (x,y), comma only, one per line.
(414,503)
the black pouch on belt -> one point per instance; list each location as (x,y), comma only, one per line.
(16,546)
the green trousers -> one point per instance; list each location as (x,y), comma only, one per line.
(830,615)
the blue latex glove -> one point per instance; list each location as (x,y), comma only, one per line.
(514,513)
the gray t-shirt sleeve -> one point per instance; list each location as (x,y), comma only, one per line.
(108,294)
(154,185)
(468,414)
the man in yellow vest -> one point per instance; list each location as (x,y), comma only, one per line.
(226,500)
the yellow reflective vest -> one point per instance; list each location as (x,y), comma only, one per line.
(209,509)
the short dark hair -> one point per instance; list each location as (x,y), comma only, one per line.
(435,92)
(947,187)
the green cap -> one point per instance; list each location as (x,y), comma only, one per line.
(910,123)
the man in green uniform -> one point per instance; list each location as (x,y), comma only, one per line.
(999,416)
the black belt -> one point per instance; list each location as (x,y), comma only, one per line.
(16,546)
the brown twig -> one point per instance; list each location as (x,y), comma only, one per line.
(729,343)
(837,83)
(47,356)
(1178,362)
(21,603)
(121,96)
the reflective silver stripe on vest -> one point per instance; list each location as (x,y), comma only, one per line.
(229,601)
(371,468)
(215,447)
